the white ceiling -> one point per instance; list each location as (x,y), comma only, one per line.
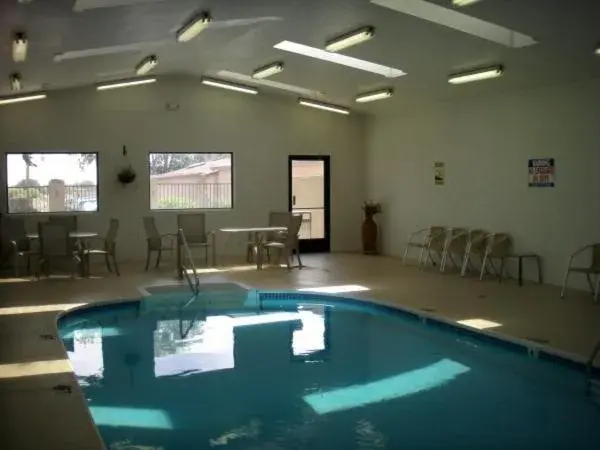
(94,40)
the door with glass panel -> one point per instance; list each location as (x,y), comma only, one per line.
(309,195)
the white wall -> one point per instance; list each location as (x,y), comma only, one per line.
(486,144)
(260,130)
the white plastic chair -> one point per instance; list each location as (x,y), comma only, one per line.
(476,246)
(592,269)
(498,246)
(456,244)
(421,239)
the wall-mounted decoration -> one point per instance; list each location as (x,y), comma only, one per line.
(126,175)
(439,173)
(541,172)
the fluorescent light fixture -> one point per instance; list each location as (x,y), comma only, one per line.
(480,324)
(299,90)
(268,70)
(374,95)
(230,86)
(120,416)
(336,289)
(122,84)
(402,385)
(336,58)
(464,2)
(597,51)
(476,75)
(324,106)
(15,82)
(19,47)
(194,27)
(25,98)
(350,39)
(146,65)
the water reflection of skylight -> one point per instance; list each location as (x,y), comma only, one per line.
(188,347)
(311,338)
(87,358)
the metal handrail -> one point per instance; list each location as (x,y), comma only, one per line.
(589,368)
(187,254)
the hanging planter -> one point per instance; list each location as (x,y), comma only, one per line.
(126,175)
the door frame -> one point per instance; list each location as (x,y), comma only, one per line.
(315,245)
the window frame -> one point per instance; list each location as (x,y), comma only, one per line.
(231,156)
(46,213)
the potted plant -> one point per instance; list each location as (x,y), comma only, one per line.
(126,175)
(370,228)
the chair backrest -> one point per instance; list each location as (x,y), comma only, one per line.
(457,239)
(596,256)
(111,236)
(13,229)
(477,241)
(54,239)
(436,239)
(499,245)
(194,227)
(150,228)
(68,221)
(279,218)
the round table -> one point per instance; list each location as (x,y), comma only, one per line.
(72,234)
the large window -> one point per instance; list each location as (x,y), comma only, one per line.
(191,180)
(52,182)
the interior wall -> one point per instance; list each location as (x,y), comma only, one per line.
(485,144)
(261,131)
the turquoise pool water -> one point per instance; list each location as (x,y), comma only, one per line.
(230,371)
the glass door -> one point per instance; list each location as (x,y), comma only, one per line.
(309,196)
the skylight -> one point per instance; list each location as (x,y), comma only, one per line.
(336,58)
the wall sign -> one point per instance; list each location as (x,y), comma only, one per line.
(439,173)
(541,172)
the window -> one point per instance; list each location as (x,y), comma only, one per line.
(191,180)
(52,182)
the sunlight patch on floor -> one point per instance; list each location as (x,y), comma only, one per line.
(118,416)
(336,289)
(480,324)
(14,310)
(29,369)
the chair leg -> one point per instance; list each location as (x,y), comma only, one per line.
(483,266)
(114,258)
(158,256)
(590,283)
(147,259)
(564,286)
(501,270)
(597,288)
(465,264)
(107,262)
(300,265)
(405,255)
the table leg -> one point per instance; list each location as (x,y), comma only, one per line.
(214,248)
(520,264)
(539,264)
(179,259)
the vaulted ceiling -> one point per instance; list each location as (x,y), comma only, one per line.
(83,42)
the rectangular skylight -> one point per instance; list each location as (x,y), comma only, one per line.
(458,21)
(336,58)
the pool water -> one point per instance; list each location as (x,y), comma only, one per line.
(230,372)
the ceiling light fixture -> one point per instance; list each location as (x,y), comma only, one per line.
(231,86)
(374,95)
(476,75)
(19,47)
(337,58)
(122,84)
(597,51)
(323,106)
(464,2)
(268,70)
(349,39)
(26,98)
(194,27)
(146,65)
(243,78)
(15,82)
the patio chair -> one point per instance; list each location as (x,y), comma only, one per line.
(424,236)
(456,244)
(55,244)
(588,271)
(68,221)
(14,236)
(285,247)
(436,244)
(476,245)
(276,219)
(194,228)
(498,246)
(155,242)
(108,249)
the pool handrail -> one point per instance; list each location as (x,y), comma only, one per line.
(187,253)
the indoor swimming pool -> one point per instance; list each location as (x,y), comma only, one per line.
(246,370)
